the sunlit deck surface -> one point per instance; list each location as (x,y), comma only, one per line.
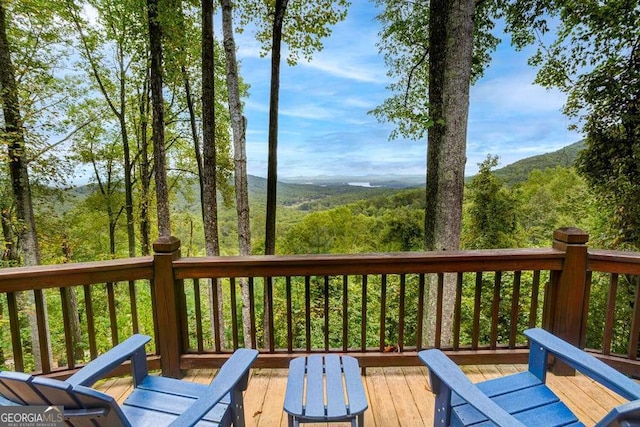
(397,396)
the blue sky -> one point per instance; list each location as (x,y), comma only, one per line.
(324,128)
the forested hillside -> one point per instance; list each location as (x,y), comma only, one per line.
(545,193)
(517,172)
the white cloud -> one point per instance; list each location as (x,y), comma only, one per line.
(309,111)
(352,71)
(357,101)
(516,94)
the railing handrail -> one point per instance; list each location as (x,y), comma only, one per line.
(16,279)
(609,261)
(381,263)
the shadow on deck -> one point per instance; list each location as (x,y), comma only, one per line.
(397,396)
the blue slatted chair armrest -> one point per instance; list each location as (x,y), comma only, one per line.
(233,373)
(132,348)
(541,340)
(72,414)
(447,377)
(629,412)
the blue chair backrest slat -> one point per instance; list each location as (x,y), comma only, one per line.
(20,385)
(90,398)
(55,392)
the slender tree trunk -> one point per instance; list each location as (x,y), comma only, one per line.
(451,53)
(72,308)
(128,182)
(119,110)
(209,184)
(274,99)
(145,170)
(194,134)
(16,148)
(18,167)
(272,164)
(157,100)
(238,126)
(10,250)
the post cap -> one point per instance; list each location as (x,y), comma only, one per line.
(571,235)
(166,244)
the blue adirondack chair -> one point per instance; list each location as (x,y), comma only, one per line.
(155,401)
(523,399)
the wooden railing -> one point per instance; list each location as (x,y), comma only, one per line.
(381,308)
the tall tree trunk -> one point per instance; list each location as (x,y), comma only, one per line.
(72,309)
(157,100)
(194,134)
(145,170)
(274,99)
(18,167)
(16,148)
(209,164)
(238,126)
(10,250)
(128,182)
(272,164)
(451,53)
(120,112)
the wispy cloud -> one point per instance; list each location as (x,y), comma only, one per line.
(350,71)
(324,127)
(516,94)
(309,111)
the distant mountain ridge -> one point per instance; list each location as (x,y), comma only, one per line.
(307,193)
(514,173)
(518,172)
(388,181)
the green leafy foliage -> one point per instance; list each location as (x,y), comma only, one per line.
(305,24)
(404,43)
(593,56)
(492,213)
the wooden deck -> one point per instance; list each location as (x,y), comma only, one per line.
(397,396)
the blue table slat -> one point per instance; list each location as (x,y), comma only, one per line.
(332,379)
(315,388)
(355,389)
(295,386)
(336,404)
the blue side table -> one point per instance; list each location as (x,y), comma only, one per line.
(325,388)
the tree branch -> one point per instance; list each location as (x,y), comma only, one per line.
(411,73)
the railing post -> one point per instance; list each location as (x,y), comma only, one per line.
(566,296)
(167,249)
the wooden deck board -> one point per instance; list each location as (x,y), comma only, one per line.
(394,394)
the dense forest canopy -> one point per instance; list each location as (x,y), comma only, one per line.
(82,82)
